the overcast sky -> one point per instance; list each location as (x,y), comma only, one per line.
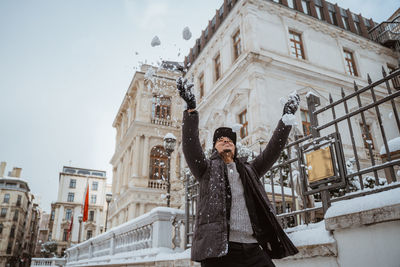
(66,65)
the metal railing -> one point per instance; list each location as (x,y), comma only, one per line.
(386,32)
(298,200)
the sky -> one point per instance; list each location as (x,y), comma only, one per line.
(65,66)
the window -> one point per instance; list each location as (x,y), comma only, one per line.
(306,6)
(6,198)
(161,107)
(95,186)
(319,9)
(68,214)
(67,170)
(65,235)
(237,48)
(72,183)
(89,234)
(332,14)
(296,45)
(70,197)
(292,4)
(12,231)
(9,247)
(52,215)
(91,216)
(3,212)
(93,199)
(346,22)
(84,172)
(217,67)
(19,200)
(367,136)
(1,228)
(305,121)
(350,64)
(49,237)
(244,123)
(201,85)
(395,80)
(16,213)
(158,163)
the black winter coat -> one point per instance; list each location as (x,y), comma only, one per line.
(211,234)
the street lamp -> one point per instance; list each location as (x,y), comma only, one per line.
(80,217)
(108,199)
(169,145)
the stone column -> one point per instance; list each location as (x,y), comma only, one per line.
(145,159)
(135,162)
(141,208)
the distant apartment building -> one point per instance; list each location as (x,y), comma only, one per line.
(43,233)
(19,219)
(69,205)
(149,110)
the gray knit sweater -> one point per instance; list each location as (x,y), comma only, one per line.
(240,225)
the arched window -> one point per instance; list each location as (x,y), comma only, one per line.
(158,163)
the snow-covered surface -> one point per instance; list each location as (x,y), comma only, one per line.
(309,93)
(155,41)
(128,225)
(373,201)
(278,190)
(289,119)
(170,135)
(186,34)
(311,234)
(394,145)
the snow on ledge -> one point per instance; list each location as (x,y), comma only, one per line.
(393,144)
(311,234)
(369,202)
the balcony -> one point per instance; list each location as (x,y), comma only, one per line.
(387,33)
(144,237)
(50,262)
(157,184)
(160,121)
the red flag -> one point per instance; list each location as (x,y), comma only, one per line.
(70,227)
(86,205)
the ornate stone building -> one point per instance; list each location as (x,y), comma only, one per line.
(254,52)
(148,112)
(69,204)
(19,218)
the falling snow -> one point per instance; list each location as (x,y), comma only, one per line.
(186,34)
(155,41)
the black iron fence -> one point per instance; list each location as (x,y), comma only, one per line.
(347,150)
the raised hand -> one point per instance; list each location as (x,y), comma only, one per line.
(185,91)
(292,104)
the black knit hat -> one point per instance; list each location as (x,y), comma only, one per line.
(224,132)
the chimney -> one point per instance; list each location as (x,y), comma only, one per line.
(16,172)
(3,165)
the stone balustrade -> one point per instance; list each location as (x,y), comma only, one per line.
(143,237)
(52,262)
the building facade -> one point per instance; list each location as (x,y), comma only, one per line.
(19,219)
(69,205)
(148,112)
(255,52)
